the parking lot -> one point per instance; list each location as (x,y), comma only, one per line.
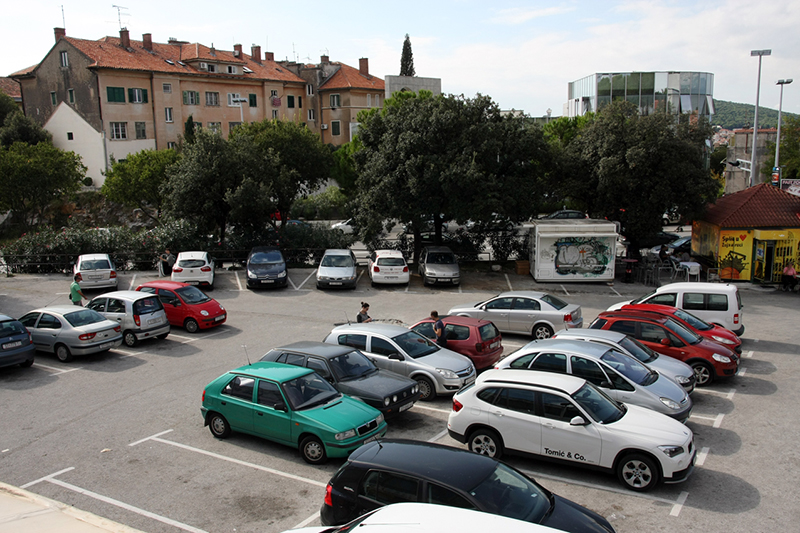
(121,435)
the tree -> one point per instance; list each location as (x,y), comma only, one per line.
(407,59)
(7,107)
(137,181)
(344,167)
(32,176)
(189,130)
(790,150)
(19,128)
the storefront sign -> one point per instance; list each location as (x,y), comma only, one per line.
(735,254)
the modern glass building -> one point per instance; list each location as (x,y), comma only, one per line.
(651,92)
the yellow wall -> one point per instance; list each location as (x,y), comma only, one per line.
(736,254)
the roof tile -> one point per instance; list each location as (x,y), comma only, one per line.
(762,206)
(348,77)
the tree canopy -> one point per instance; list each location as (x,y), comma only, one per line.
(7,107)
(19,128)
(407,59)
(790,150)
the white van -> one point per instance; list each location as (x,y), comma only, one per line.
(718,303)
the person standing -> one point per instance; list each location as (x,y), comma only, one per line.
(363,315)
(75,292)
(166,262)
(438,329)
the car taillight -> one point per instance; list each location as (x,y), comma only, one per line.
(457,406)
(112,275)
(568,317)
(78,277)
(137,320)
(736,318)
(87,336)
(375,268)
(328,500)
(118,329)
(205,269)
(405,269)
(177,269)
(204,396)
(479,346)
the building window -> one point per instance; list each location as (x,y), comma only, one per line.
(273,93)
(216,127)
(232,125)
(191,98)
(336,101)
(233,99)
(168,114)
(71,95)
(171,145)
(116,94)
(290,101)
(53,99)
(377,100)
(311,115)
(64,59)
(336,127)
(119,131)
(300,102)
(231,69)
(137,96)
(274,113)
(167,88)
(212,67)
(70,136)
(141,130)
(310,90)
(253,100)
(369,100)
(212,99)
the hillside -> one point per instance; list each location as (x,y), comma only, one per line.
(731,115)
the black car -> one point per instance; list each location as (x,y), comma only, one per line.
(352,373)
(392,471)
(266,267)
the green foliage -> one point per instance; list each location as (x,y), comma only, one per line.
(344,167)
(137,181)
(327,205)
(561,131)
(7,107)
(407,59)
(731,115)
(790,150)
(189,131)
(19,128)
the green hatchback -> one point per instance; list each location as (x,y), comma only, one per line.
(290,405)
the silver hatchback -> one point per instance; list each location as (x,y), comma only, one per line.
(140,314)
(438,264)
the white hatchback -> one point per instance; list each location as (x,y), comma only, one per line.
(194,268)
(567,419)
(388,266)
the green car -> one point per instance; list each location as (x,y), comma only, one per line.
(291,405)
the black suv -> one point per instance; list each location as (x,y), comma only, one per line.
(392,471)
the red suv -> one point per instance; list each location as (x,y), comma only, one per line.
(666,335)
(476,338)
(711,332)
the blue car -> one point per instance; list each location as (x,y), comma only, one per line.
(16,346)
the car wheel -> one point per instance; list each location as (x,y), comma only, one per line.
(485,442)
(703,373)
(427,391)
(313,451)
(219,426)
(63,353)
(638,472)
(542,331)
(162,336)
(129,338)
(26,364)
(191,325)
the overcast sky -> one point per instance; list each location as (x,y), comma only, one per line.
(521,53)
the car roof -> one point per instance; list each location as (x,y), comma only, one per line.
(651,308)
(337,251)
(164,284)
(6,318)
(523,294)
(563,382)
(591,349)
(58,309)
(125,295)
(460,320)
(438,249)
(697,286)
(435,462)
(633,313)
(607,334)
(321,349)
(390,330)
(192,255)
(274,371)
(395,253)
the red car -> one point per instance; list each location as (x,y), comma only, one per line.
(664,334)
(476,338)
(711,332)
(186,305)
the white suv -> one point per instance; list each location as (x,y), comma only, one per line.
(565,418)
(388,266)
(194,268)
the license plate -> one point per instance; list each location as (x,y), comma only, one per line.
(193,283)
(95,277)
(267,281)
(372,438)
(391,277)
(494,345)
(154,321)
(405,407)
(14,344)
(469,381)
(443,280)
(106,345)
(220,317)
(336,283)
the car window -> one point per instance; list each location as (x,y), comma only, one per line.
(599,406)
(29,320)
(689,318)
(49,322)
(268,394)
(558,303)
(98,304)
(523,361)
(488,332)
(308,391)
(240,387)
(391,261)
(388,487)
(555,407)
(442,496)
(694,301)
(414,344)
(620,383)
(638,350)
(526,304)
(168,297)
(383,347)
(455,332)
(145,306)
(84,317)
(441,259)
(426,329)
(550,362)
(115,306)
(627,366)
(97,264)
(488,395)
(192,295)
(499,304)
(652,333)
(685,334)
(319,366)
(588,370)
(351,365)
(506,492)
(358,342)
(520,400)
(292,359)
(663,298)
(149,290)
(598,323)
(337,261)
(717,302)
(266,258)
(10,327)
(628,327)
(191,263)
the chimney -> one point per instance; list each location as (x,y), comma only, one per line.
(147,42)
(60,32)
(269,56)
(237,50)
(124,38)
(363,66)
(324,59)
(255,53)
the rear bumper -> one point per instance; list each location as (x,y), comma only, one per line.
(152,332)
(14,357)
(86,349)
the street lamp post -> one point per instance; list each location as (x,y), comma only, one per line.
(778,140)
(753,165)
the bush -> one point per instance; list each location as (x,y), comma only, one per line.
(326,205)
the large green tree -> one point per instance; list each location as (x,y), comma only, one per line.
(7,107)
(137,181)
(790,150)
(407,59)
(19,128)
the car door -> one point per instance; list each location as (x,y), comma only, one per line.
(523,314)
(115,310)
(560,439)
(653,336)
(497,311)
(29,321)
(513,415)
(47,332)
(176,310)
(236,403)
(387,354)
(272,418)
(423,258)
(379,488)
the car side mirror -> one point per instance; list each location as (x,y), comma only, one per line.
(280,406)
(665,342)
(606,385)
(577,421)
(396,357)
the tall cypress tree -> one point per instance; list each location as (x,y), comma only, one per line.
(407,59)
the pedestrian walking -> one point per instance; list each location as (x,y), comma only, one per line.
(438,329)
(165,262)
(363,315)
(75,292)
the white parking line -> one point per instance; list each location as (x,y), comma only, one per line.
(615,291)
(676,509)
(173,336)
(565,290)
(238,281)
(749,354)
(150,437)
(46,478)
(741,371)
(701,456)
(133,283)
(307,521)
(728,395)
(426,408)
(57,371)
(717,419)
(438,436)
(508,282)
(313,272)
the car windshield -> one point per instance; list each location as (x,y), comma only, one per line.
(642,298)
(506,492)
(351,365)
(696,323)
(191,263)
(266,258)
(84,317)
(145,306)
(555,302)
(337,261)
(415,345)
(10,327)
(638,350)
(391,261)
(441,259)
(689,337)
(98,264)
(308,391)
(600,407)
(488,332)
(192,295)
(629,367)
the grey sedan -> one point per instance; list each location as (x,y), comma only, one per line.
(438,264)
(526,312)
(69,330)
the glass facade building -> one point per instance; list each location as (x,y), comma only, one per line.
(651,92)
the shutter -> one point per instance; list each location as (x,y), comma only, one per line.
(300,102)
(144,96)
(130,95)
(196,97)
(185,97)
(253,101)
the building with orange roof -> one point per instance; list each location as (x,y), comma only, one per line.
(12,89)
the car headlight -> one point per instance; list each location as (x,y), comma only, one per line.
(415,389)
(683,379)
(349,434)
(251,275)
(386,401)
(721,358)
(722,340)
(670,403)
(282,274)
(672,451)
(379,419)
(323,278)
(449,374)
(204,312)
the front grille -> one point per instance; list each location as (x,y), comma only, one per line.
(464,373)
(368,427)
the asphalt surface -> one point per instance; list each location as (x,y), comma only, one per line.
(120,434)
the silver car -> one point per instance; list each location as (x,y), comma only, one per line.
(337,269)
(69,330)
(95,271)
(438,264)
(621,376)
(436,370)
(668,366)
(526,312)
(140,314)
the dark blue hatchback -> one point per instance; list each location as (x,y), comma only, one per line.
(16,347)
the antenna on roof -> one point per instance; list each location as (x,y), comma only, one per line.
(246,355)
(63,21)
(119,13)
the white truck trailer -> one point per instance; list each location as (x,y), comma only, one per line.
(573,250)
